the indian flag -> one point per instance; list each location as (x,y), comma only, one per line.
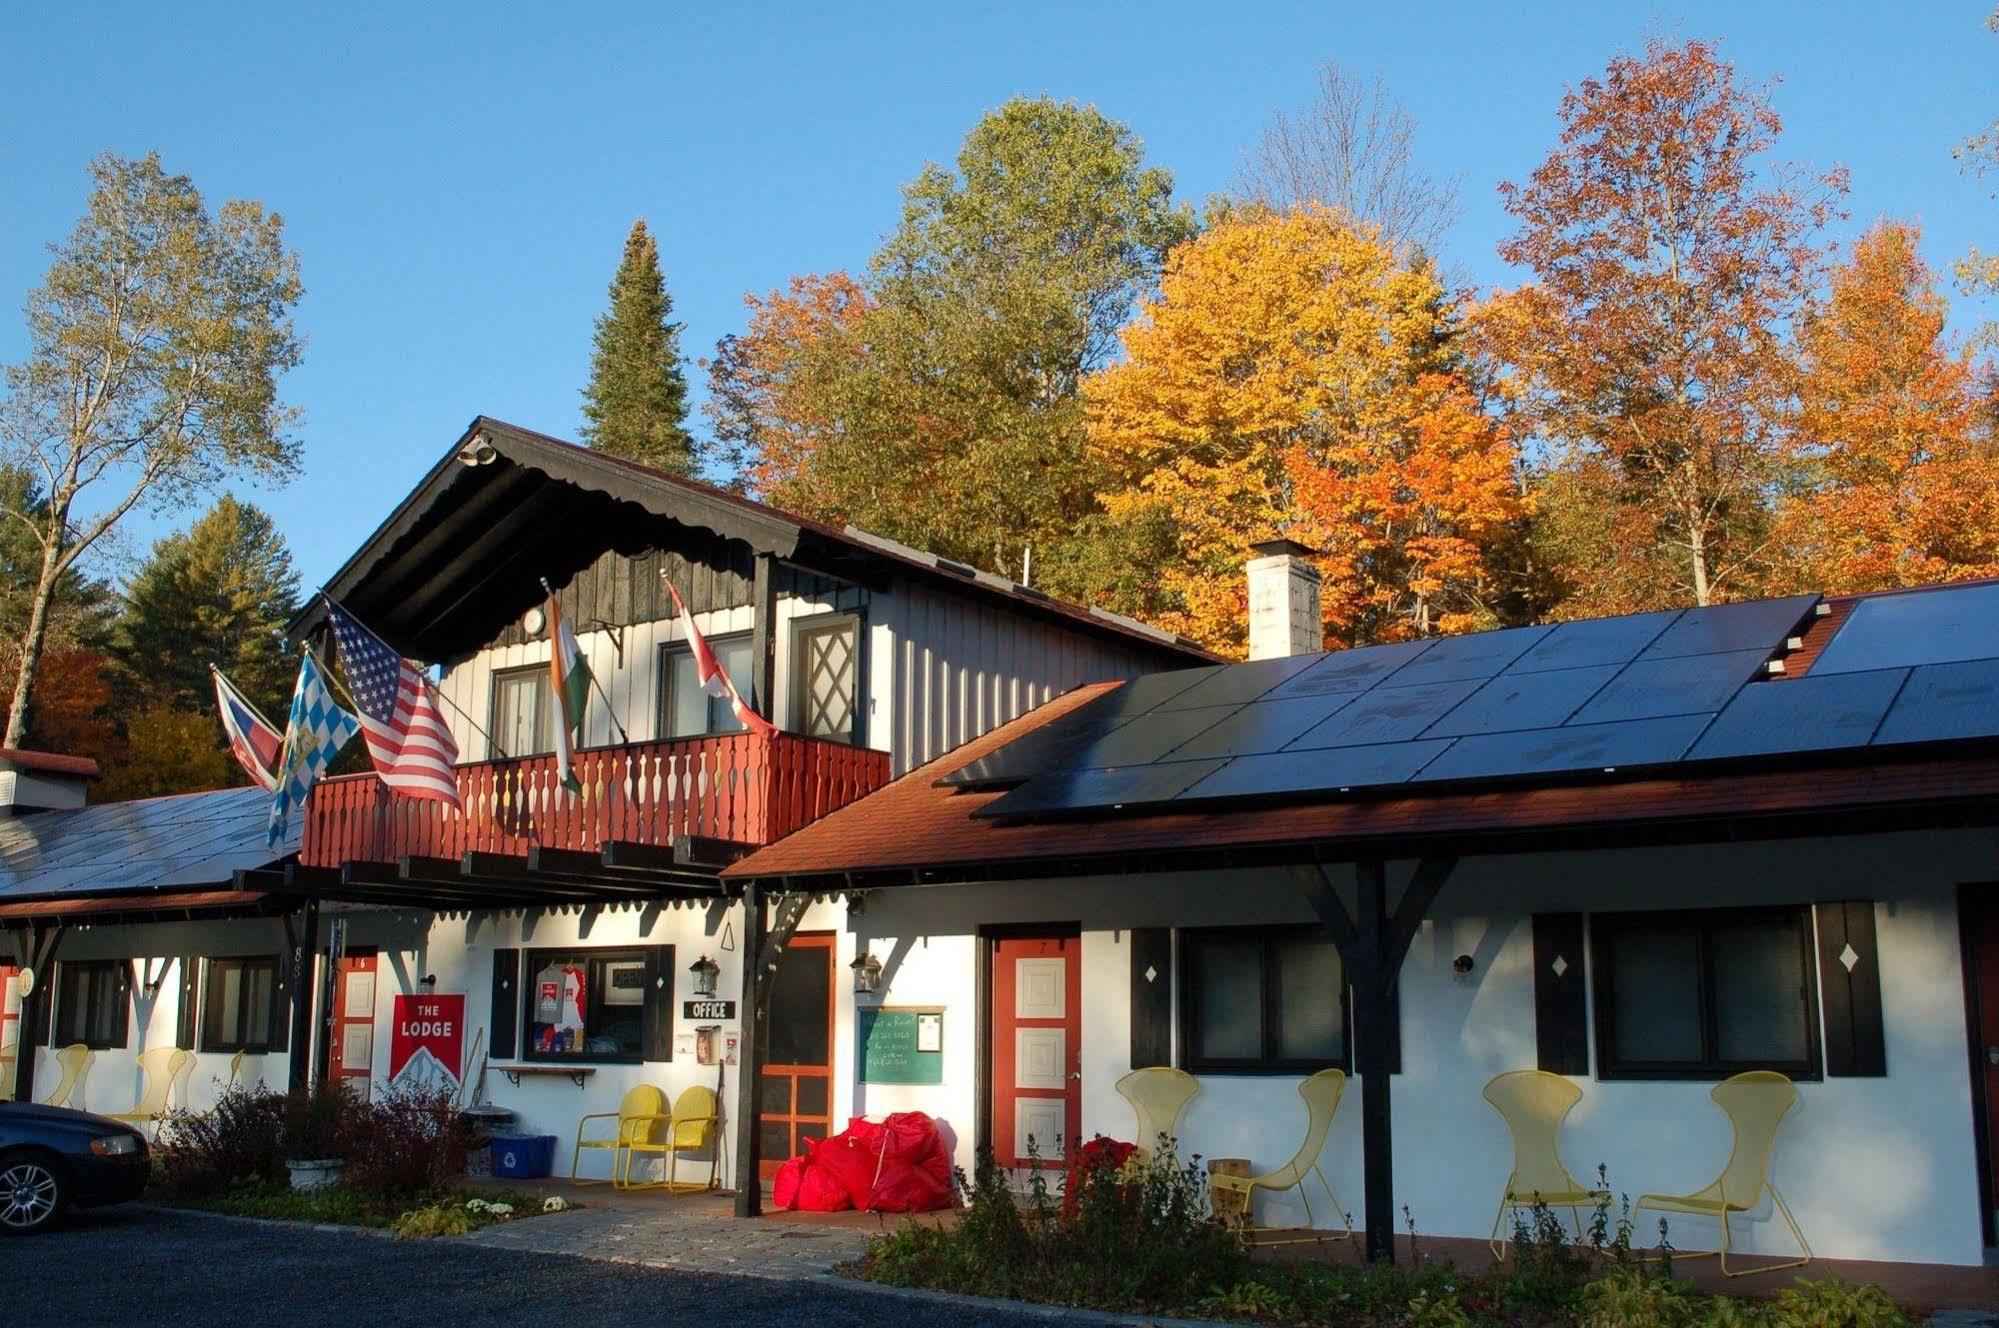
(569,672)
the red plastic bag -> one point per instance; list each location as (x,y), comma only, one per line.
(784,1189)
(852,1158)
(915,1174)
(819,1192)
(908,1189)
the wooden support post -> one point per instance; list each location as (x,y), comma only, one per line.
(763,635)
(304,996)
(38,952)
(749,1075)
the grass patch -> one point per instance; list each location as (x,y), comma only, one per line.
(340,1205)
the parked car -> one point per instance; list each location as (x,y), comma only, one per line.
(53,1159)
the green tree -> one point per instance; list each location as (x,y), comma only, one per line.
(636,404)
(169,751)
(70,707)
(155,345)
(220,592)
(943,407)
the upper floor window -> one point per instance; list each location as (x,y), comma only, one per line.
(826,678)
(1703,995)
(93,1003)
(688,712)
(523,712)
(1261,1000)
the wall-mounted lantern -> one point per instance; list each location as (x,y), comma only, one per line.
(705,971)
(867,972)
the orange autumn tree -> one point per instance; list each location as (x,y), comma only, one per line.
(1649,351)
(1292,376)
(1900,483)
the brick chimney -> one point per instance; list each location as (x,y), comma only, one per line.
(1284,614)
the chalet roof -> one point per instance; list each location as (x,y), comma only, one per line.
(1885,713)
(465,552)
(141,850)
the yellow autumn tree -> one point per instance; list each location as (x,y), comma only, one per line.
(1292,376)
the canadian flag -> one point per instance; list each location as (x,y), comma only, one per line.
(709,670)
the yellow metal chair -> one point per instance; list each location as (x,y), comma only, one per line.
(692,1129)
(7,1054)
(1534,1104)
(74,1060)
(235,1070)
(1756,1103)
(159,1070)
(642,1119)
(1322,1094)
(1158,1094)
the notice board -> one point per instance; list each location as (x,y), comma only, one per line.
(900,1044)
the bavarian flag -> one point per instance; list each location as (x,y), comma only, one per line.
(569,672)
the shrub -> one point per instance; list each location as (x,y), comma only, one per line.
(239,1142)
(316,1126)
(404,1144)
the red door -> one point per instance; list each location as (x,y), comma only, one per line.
(795,1102)
(10,1029)
(1037,1052)
(351,1044)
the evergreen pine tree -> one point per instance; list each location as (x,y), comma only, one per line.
(636,404)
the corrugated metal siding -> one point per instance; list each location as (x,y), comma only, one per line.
(962,668)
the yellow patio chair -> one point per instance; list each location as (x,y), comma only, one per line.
(1322,1094)
(159,1070)
(642,1118)
(7,1072)
(1158,1094)
(235,1070)
(1534,1104)
(74,1060)
(1756,1103)
(692,1129)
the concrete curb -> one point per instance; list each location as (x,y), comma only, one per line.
(285,1223)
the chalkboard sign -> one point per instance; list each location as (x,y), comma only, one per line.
(901,1045)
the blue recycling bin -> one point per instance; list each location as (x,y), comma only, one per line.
(523,1156)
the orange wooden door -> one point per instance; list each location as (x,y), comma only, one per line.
(351,1029)
(795,1102)
(1037,1053)
(10,1007)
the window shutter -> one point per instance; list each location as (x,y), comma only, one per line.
(1850,979)
(187,1023)
(1561,1001)
(1151,996)
(657,1037)
(281,1005)
(504,1018)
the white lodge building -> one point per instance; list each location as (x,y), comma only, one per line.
(1644,853)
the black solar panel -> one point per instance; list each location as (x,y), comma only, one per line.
(1263,726)
(1523,701)
(1801,715)
(1080,790)
(1572,749)
(1239,683)
(1761,624)
(1053,745)
(1387,714)
(1578,645)
(1477,655)
(195,839)
(1349,670)
(1690,684)
(1941,702)
(1147,739)
(1942,626)
(1327,770)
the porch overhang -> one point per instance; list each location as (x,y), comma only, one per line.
(538,879)
(137,906)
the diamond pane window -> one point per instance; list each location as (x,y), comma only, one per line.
(826,686)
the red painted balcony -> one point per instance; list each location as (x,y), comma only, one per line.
(738,787)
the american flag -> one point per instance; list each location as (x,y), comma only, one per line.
(407,736)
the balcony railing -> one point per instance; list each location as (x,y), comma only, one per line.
(736,787)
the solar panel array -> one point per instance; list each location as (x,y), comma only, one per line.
(1643,691)
(192,840)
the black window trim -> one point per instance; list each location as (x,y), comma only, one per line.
(1710,1068)
(797,629)
(545,697)
(1187,992)
(61,1024)
(668,650)
(257,1042)
(532,962)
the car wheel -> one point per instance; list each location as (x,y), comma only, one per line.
(33,1193)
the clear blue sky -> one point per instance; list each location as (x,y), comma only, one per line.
(458,179)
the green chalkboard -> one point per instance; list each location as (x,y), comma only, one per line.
(901,1045)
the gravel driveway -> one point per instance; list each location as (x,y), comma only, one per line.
(124,1266)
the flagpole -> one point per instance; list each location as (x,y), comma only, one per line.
(595,682)
(491,744)
(261,718)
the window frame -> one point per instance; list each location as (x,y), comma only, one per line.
(669,652)
(800,630)
(544,716)
(533,961)
(1704,922)
(64,1032)
(255,1046)
(1187,991)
